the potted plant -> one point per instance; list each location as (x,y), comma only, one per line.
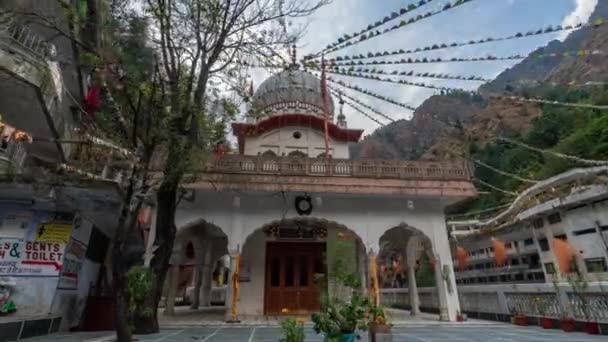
(518,317)
(541,308)
(293,330)
(339,320)
(378,323)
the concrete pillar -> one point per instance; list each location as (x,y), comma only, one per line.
(196,292)
(199,275)
(441,291)
(444,270)
(413,288)
(373,278)
(231,295)
(173,280)
(207,276)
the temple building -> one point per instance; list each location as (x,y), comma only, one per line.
(291,202)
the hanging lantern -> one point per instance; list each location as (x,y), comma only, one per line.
(564,255)
(461,256)
(499,252)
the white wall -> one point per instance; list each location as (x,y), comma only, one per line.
(367,216)
(281,141)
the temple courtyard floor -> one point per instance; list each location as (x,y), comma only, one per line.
(207,326)
(413,333)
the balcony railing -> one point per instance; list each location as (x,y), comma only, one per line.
(12,157)
(21,36)
(411,170)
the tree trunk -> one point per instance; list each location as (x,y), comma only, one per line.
(164,239)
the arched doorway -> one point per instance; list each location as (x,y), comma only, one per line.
(292,262)
(197,246)
(408,271)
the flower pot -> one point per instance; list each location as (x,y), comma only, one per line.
(375,329)
(521,320)
(546,323)
(591,328)
(567,324)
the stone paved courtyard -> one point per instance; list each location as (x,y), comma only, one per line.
(413,333)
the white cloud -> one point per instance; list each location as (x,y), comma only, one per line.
(581,13)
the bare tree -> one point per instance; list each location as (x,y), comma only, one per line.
(197,40)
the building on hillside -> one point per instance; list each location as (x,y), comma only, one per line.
(285,212)
(54,228)
(577,216)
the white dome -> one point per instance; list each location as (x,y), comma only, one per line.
(290,90)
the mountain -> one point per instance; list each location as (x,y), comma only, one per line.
(440,125)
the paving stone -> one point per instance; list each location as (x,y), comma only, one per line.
(421,333)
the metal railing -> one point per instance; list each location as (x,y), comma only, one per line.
(533,300)
(13,157)
(23,37)
(340,167)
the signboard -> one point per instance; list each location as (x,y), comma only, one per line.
(50,232)
(33,243)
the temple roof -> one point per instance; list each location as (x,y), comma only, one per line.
(290,86)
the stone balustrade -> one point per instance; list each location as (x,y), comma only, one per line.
(500,301)
(384,169)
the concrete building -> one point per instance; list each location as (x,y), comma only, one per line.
(55,229)
(283,212)
(578,217)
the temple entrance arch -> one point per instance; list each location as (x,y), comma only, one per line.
(409,259)
(291,263)
(197,246)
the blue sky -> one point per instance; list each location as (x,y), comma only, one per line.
(475,20)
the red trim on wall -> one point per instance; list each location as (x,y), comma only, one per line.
(242,130)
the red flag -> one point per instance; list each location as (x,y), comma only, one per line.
(461,256)
(325,98)
(564,254)
(91,101)
(499,252)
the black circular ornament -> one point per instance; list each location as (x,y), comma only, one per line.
(303,205)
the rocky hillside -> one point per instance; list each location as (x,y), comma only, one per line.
(458,117)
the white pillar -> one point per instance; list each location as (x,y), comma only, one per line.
(444,270)
(200,276)
(442,292)
(196,292)
(173,280)
(207,275)
(413,288)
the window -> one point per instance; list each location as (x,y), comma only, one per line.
(584,231)
(508,245)
(562,237)
(544,245)
(550,268)
(528,242)
(554,218)
(595,265)
(297,135)
(538,223)
(515,262)
(98,246)
(534,261)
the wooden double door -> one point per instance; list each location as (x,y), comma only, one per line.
(294,274)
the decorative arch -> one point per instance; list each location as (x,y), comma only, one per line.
(269,153)
(297,154)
